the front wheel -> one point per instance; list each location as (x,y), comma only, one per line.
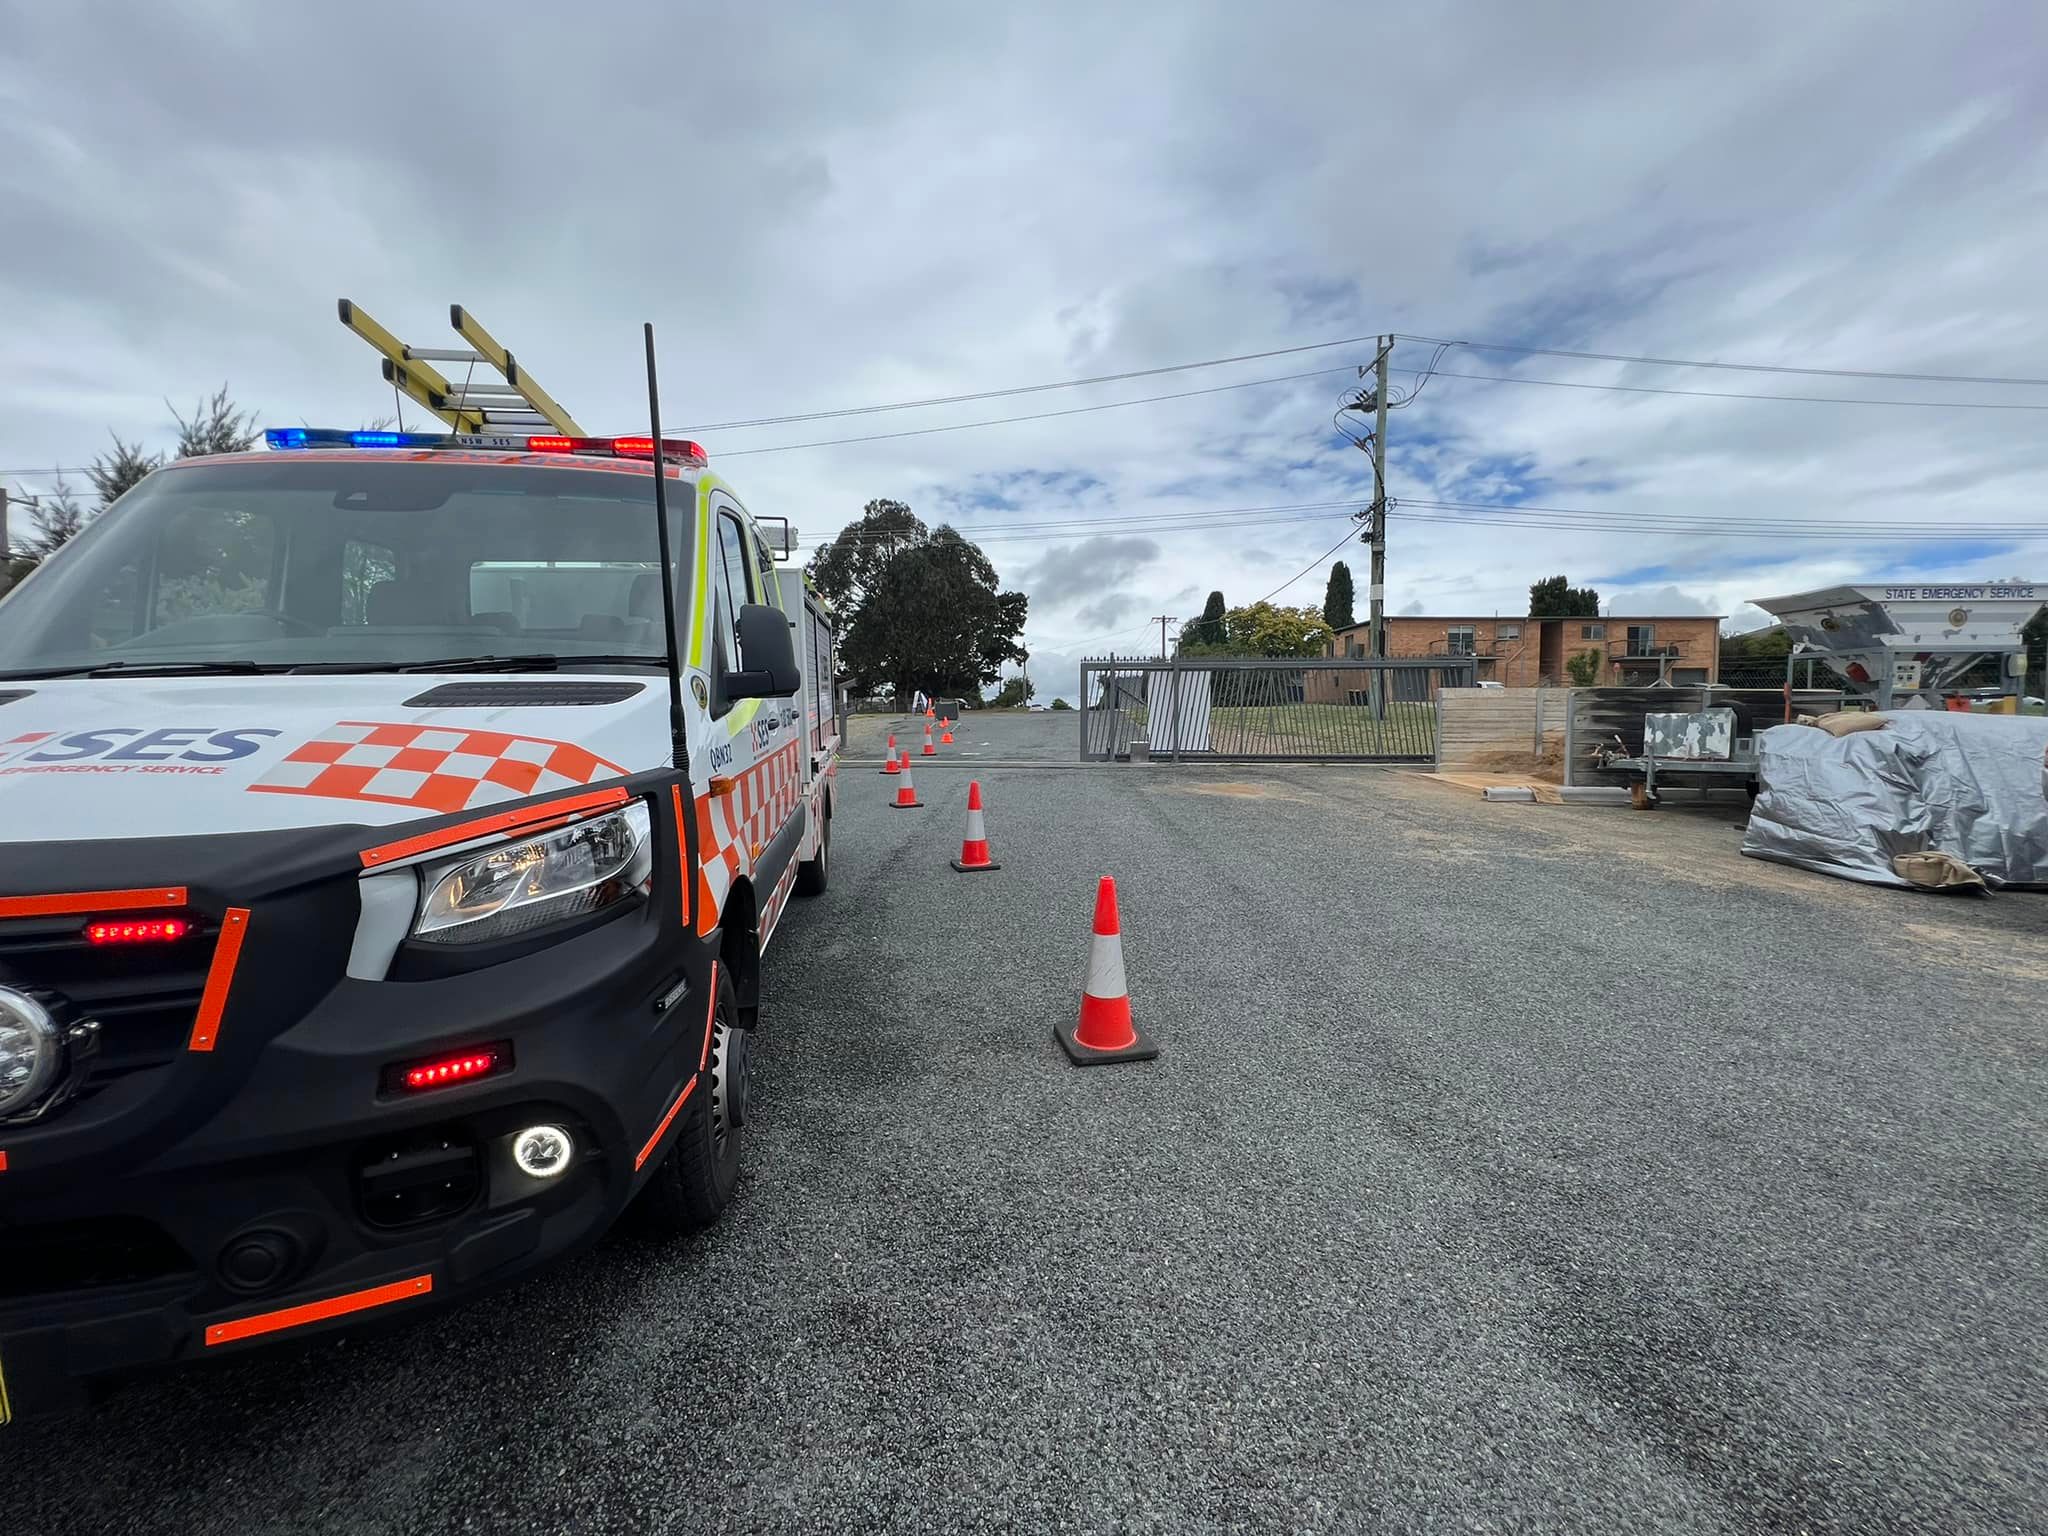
(695,1180)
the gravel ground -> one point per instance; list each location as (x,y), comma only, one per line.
(1507,1168)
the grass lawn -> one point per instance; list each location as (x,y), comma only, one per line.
(1300,730)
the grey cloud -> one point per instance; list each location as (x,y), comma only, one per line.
(187,200)
(1108,612)
(1068,571)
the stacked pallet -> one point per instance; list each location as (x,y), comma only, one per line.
(1500,728)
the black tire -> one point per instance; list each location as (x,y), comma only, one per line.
(813,875)
(695,1179)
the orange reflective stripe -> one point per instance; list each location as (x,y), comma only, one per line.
(318,1311)
(91,901)
(523,818)
(666,1120)
(227,953)
(682,851)
(710,1013)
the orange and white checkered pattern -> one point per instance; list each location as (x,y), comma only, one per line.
(733,828)
(434,767)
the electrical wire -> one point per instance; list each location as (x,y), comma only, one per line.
(1731,394)
(1106,519)
(1688,362)
(1025,389)
(998,421)
(1733,519)
(1590,520)
(1349,535)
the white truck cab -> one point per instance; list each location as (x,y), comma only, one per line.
(367,934)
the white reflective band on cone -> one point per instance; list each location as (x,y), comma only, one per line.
(1105,966)
(975,834)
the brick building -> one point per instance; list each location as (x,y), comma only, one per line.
(1527,653)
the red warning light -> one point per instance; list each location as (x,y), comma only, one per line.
(155,930)
(443,1071)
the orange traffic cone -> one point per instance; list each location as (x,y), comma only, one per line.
(974,846)
(906,792)
(930,713)
(929,750)
(1105,1031)
(945,733)
(889,762)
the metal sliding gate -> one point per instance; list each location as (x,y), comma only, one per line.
(1230,709)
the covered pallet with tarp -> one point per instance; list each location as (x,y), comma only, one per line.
(1930,799)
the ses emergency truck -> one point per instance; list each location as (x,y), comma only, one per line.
(371,931)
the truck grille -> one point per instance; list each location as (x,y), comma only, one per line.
(144,995)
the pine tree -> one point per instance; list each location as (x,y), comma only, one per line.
(114,475)
(216,426)
(1337,600)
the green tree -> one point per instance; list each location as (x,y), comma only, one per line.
(1338,598)
(1014,694)
(1772,643)
(1265,630)
(1061,704)
(115,474)
(1208,629)
(1557,598)
(216,426)
(926,612)
(1584,669)
(846,570)
(53,523)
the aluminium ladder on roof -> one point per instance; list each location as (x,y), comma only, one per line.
(474,405)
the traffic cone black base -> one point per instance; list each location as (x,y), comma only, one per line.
(1140,1049)
(975,869)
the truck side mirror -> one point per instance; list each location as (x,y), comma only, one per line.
(770,655)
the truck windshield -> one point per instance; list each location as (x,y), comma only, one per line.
(338,563)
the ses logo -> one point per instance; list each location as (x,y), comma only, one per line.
(131,749)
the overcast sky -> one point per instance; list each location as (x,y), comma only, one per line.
(833,206)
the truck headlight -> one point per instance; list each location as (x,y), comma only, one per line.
(569,872)
(31,1050)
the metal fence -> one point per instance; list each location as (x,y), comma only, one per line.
(1246,709)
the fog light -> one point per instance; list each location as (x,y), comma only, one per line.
(31,1050)
(542,1151)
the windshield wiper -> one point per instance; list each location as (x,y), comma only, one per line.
(149,669)
(545,661)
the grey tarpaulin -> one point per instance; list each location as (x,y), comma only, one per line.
(1966,785)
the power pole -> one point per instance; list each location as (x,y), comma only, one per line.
(3,525)
(1025,663)
(1379,501)
(1162,620)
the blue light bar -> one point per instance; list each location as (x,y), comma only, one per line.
(325,437)
(674,450)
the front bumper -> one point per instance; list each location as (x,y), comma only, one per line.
(282,1183)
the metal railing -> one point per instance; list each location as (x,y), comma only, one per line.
(1210,709)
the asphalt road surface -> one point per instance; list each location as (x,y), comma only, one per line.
(1507,1168)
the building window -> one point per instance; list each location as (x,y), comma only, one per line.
(1461,640)
(1592,631)
(1642,639)
(1507,632)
